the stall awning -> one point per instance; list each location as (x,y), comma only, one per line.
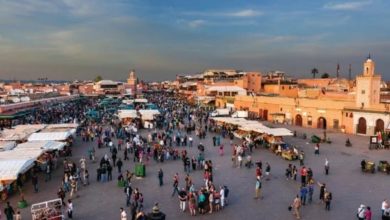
(146,114)
(19,132)
(255,126)
(62,126)
(43,145)
(10,169)
(7,145)
(50,136)
(127,113)
(280,132)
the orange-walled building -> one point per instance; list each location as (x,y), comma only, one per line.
(328,104)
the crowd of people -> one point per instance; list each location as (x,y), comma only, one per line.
(170,139)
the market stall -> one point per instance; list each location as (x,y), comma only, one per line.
(12,164)
(147,116)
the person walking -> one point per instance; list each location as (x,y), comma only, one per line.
(317,149)
(301,157)
(326,166)
(61,195)
(125,154)
(296,206)
(322,190)
(303,192)
(182,199)
(190,141)
(360,213)
(303,175)
(258,188)
(160,177)
(48,172)
(9,212)
(18,216)
(70,209)
(73,187)
(128,192)
(85,178)
(385,204)
(222,194)
(221,151)
(310,188)
(109,172)
(34,180)
(119,164)
(175,184)
(328,199)
(123,214)
(267,171)
(368,213)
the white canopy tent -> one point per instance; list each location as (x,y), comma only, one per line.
(50,136)
(255,126)
(43,145)
(7,145)
(11,168)
(20,132)
(146,114)
(141,100)
(21,154)
(14,162)
(61,126)
(280,132)
(127,113)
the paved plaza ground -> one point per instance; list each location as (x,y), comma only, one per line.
(349,186)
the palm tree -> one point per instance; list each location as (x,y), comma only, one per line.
(314,71)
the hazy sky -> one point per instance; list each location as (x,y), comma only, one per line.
(79,39)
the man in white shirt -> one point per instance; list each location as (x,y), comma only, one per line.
(385,205)
(326,166)
(123,214)
(190,140)
(361,211)
(222,193)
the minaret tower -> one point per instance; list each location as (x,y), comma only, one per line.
(368,86)
(132,81)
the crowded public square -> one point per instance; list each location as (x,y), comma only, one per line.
(185,164)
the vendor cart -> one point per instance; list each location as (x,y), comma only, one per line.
(368,167)
(315,139)
(384,166)
(50,210)
(289,155)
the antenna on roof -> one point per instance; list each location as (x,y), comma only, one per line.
(350,72)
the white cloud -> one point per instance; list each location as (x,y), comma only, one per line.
(347,6)
(245,13)
(196,23)
(27,7)
(83,8)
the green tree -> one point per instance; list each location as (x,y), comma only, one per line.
(325,75)
(314,72)
(98,78)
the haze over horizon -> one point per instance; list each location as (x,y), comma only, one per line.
(72,39)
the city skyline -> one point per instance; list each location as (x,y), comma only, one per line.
(68,39)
